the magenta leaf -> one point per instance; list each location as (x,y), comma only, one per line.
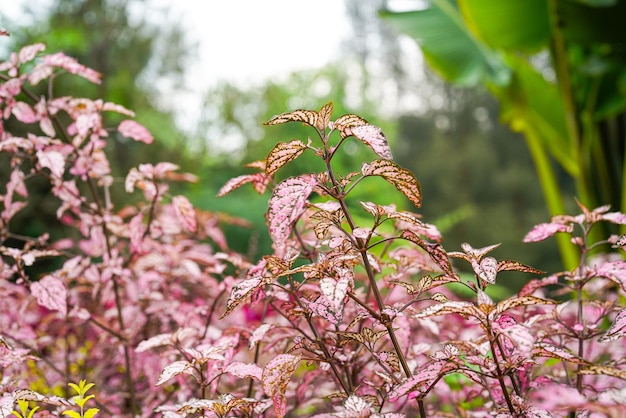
(373,137)
(275,377)
(281,154)
(131,129)
(617,329)
(546,230)
(51,293)
(287,203)
(401,178)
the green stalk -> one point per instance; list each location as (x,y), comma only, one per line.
(552,195)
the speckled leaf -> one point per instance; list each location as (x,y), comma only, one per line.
(281,154)
(545,230)
(308,117)
(510,265)
(373,137)
(458,307)
(275,377)
(173,369)
(241,291)
(617,328)
(514,302)
(605,370)
(401,178)
(435,250)
(323,116)
(287,203)
(487,269)
(345,124)
(258,180)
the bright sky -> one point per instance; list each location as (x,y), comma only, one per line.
(248,40)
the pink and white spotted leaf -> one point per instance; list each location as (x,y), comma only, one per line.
(546,230)
(486,269)
(185,213)
(241,291)
(614,271)
(275,378)
(52,160)
(131,129)
(287,203)
(617,329)
(51,293)
(244,370)
(174,369)
(373,137)
(259,182)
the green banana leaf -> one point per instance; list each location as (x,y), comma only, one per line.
(448,46)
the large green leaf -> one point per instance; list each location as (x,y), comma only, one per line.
(448,46)
(512,24)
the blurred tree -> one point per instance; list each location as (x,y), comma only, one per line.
(558,71)
(476,174)
(127,43)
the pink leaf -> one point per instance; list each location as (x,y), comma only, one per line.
(276,376)
(287,203)
(617,328)
(72,66)
(487,269)
(614,271)
(136,131)
(419,382)
(335,290)
(240,291)
(244,370)
(174,369)
(373,137)
(24,113)
(530,287)
(615,217)
(185,212)
(259,181)
(51,293)
(29,52)
(546,230)
(52,160)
